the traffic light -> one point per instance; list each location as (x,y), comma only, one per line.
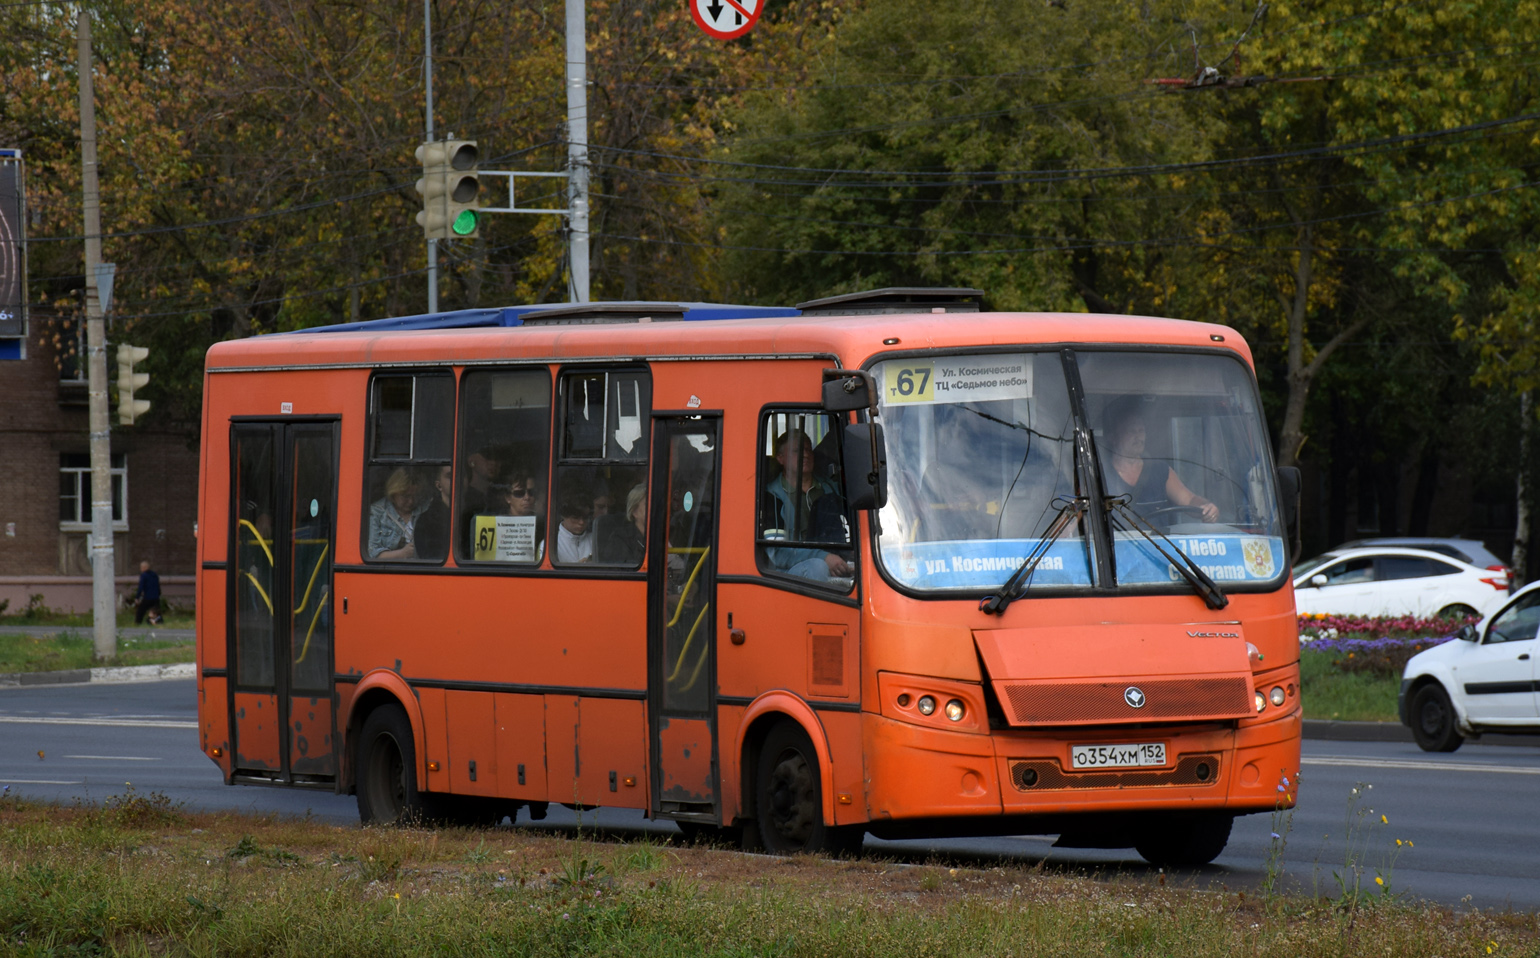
(450,188)
(130,408)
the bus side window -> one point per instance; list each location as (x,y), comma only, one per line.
(802,524)
(601,468)
(411,429)
(500,496)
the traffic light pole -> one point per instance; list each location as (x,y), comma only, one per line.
(104,604)
(427,39)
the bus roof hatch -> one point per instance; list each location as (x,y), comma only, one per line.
(898,299)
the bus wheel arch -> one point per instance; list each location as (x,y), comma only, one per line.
(377,690)
(783,721)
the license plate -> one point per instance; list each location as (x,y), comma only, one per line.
(1117,756)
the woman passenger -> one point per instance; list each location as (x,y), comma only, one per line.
(393,518)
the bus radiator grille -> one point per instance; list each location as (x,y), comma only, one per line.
(1037,775)
(1061,703)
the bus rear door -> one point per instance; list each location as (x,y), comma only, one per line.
(681,640)
(283,504)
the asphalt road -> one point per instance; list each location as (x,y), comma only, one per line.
(1470,817)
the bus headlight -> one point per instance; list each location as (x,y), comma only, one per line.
(927,704)
(955,710)
(1261,701)
(1277,695)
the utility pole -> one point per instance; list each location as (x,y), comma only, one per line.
(427,40)
(104,604)
(577,149)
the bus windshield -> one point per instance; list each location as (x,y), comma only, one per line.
(983,458)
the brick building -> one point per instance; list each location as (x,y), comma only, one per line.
(45,482)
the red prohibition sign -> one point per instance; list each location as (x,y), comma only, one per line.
(726,19)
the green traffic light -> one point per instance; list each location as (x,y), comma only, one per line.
(465,223)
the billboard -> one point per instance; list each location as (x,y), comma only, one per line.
(13,268)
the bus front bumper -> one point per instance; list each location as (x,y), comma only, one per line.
(916,773)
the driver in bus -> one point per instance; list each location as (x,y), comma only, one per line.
(804,506)
(1151,484)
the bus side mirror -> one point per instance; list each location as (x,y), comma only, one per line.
(1288,494)
(845,390)
(866,480)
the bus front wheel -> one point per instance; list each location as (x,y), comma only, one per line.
(387,764)
(788,799)
(1185,840)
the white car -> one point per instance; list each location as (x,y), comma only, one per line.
(1486,682)
(1396,581)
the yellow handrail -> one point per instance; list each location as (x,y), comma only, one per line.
(311,631)
(688,640)
(260,541)
(685,592)
(313,573)
(260,591)
(700,661)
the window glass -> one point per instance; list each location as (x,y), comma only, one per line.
(803,527)
(600,494)
(1518,622)
(1351,571)
(505,429)
(408,477)
(981,458)
(1411,567)
(75,489)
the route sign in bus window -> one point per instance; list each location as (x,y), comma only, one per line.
(505,428)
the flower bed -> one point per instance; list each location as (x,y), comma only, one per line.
(1380,646)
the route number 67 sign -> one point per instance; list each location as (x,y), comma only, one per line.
(726,19)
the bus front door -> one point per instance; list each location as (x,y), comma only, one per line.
(681,590)
(282,500)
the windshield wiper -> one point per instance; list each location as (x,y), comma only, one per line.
(1069,513)
(1200,581)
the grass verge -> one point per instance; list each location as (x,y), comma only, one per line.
(137,876)
(1329,693)
(75,650)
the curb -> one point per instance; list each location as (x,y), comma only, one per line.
(127,673)
(1332,731)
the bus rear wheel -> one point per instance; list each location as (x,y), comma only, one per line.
(788,799)
(386,766)
(1185,840)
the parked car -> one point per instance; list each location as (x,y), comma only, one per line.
(1486,682)
(1466,550)
(1395,581)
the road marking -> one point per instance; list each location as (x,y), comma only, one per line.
(34,781)
(116,758)
(1421,766)
(121,723)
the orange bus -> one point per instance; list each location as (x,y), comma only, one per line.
(884,563)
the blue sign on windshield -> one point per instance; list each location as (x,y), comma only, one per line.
(987,563)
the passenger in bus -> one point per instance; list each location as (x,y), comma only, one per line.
(432,534)
(393,518)
(604,503)
(477,498)
(575,535)
(522,495)
(624,542)
(802,506)
(1150,484)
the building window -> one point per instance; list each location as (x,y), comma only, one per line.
(75,491)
